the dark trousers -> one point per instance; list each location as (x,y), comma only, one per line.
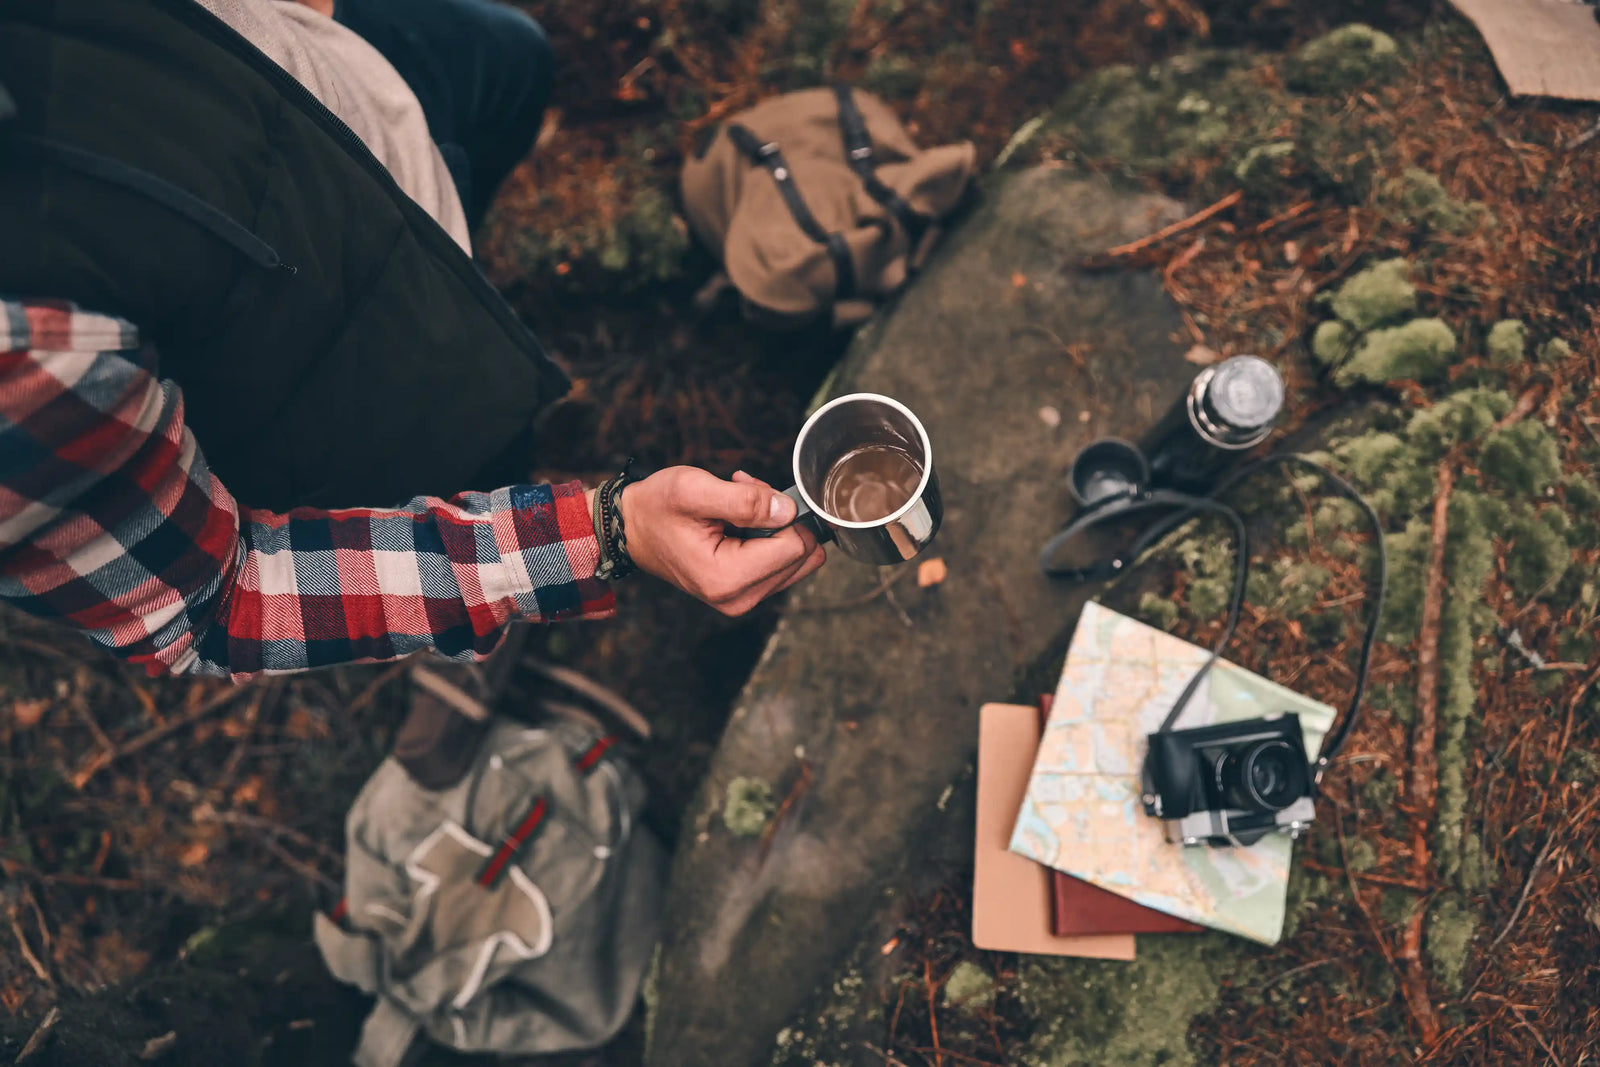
(482,71)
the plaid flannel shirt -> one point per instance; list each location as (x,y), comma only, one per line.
(111,520)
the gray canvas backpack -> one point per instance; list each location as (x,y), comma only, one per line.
(514,910)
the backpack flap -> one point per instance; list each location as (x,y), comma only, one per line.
(514,912)
(819,201)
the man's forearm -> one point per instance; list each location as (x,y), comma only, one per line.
(110,520)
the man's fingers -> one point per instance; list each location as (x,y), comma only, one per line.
(755,560)
(812,564)
(703,495)
(775,584)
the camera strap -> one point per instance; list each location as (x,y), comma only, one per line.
(1181,508)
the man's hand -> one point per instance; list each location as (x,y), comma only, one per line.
(676,522)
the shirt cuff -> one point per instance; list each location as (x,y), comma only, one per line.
(549,552)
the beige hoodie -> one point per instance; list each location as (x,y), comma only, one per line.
(355,82)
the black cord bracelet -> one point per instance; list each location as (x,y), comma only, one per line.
(609,528)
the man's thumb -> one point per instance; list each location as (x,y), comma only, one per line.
(745,503)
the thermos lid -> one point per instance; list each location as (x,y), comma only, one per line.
(1245,394)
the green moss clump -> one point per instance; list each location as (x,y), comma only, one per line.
(1343,59)
(1422,350)
(1371,457)
(1382,790)
(1469,559)
(1363,856)
(1397,906)
(1554,351)
(1449,930)
(1264,167)
(1207,598)
(1582,493)
(969,988)
(1581,766)
(1395,476)
(1582,499)
(649,242)
(1539,554)
(1158,611)
(1288,587)
(1507,343)
(1459,417)
(1381,294)
(1198,105)
(1416,198)
(1332,342)
(1408,573)
(1086,1011)
(748,806)
(1523,459)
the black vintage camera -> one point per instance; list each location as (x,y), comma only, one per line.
(1231,783)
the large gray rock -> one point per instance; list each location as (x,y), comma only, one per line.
(861,721)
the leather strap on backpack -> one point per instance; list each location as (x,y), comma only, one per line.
(858,150)
(767,154)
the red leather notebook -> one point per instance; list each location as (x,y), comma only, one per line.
(1079,907)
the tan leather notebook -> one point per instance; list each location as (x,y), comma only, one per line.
(1011,905)
(1080,907)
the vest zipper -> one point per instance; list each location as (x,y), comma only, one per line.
(207,24)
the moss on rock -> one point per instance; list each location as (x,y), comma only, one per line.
(1507,343)
(748,806)
(1420,350)
(1203,104)
(1378,295)
(1343,59)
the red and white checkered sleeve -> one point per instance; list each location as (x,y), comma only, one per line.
(111,520)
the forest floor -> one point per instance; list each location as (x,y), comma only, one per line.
(139,816)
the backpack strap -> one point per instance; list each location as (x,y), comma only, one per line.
(388,1038)
(767,154)
(858,151)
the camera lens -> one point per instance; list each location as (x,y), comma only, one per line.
(1264,776)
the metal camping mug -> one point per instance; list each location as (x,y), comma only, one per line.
(841,428)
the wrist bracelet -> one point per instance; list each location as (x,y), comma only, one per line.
(609,529)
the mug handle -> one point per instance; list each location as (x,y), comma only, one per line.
(803,515)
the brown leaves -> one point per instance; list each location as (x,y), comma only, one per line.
(26,714)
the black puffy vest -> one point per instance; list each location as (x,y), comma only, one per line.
(335,347)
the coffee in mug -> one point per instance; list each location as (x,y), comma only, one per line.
(870,483)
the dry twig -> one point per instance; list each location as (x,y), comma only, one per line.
(101,760)
(1424,762)
(1181,226)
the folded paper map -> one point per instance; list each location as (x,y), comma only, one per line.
(1082,813)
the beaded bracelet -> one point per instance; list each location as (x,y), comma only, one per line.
(609,530)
